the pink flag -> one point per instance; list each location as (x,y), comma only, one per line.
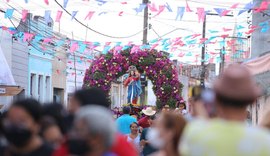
(46,1)
(74,47)
(234,6)
(201,14)
(121,13)
(47,40)
(27,37)
(154,46)
(107,43)
(174,49)
(225,12)
(202,40)
(187,7)
(181,54)
(89,15)
(4,28)
(130,43)
(7,0)
(263,6)
(225,36)
(152,7)
(225,29)
(161,9)
(134,49)
(195,35)
(250,31)
(58,16)
(24,15)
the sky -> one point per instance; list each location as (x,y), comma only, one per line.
(130,23)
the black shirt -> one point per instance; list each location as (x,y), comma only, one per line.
(43,150)
(148,149)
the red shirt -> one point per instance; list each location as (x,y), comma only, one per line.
(143,122)
(120,148)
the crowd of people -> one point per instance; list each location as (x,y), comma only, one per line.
(214,125)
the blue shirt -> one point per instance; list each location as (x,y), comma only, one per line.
(124,122)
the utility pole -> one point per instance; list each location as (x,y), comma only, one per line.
(145,32)
(222,57)
(74,64)
(203,54)
(203,50)
(145,22)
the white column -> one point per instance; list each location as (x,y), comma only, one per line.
(35,86)
(42,89)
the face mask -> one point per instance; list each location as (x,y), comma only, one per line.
(17,135)
(153,136)
(78,146)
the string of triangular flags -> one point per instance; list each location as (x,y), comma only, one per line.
(156,10)
(168,44)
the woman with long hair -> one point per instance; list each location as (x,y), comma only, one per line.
(167,133)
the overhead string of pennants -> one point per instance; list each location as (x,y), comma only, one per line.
(172,45)
(166,44)
(155,9)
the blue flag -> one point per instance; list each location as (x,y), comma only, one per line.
(180,13)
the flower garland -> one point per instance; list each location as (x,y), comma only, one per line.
(157,67)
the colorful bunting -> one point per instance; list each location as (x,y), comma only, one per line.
(201,14)
(47,16)
(234,6)
(102,13)
(58,16)
(73,14)
(28,37)
(187,7)
(121,13)
(152,7)
(263,6)
(46,2)
(180,13)
(9,13)
(89,15)
(74,47)
(247,7)
(101,2)
(140,9)
(161,9)
(219,11)
(24,15)
(168,7)
(65,3)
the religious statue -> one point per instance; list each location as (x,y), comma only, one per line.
(134,85)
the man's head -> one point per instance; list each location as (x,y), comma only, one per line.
(94,130)
(91,96)
(21,123)
(151,119)
(235,89)
(126,110)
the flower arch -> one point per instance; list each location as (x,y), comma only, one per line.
(157,67)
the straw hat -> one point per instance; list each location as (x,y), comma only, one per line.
(149,111)
(236,83)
